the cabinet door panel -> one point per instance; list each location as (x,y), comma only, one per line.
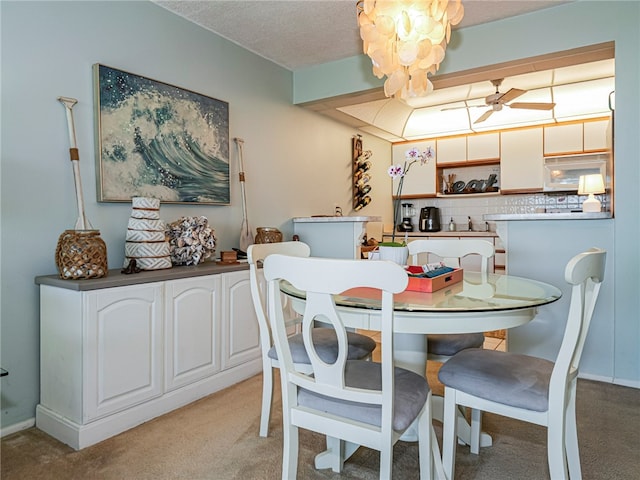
(485,146)
(563,139)
(521,165)
(124,348)
(242,337)
(421,179)
(451,150)
(192,330)
(597,136)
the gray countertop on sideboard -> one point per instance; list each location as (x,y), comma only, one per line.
(116,278)
(328,218)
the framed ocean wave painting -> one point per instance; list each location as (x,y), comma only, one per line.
(157,140)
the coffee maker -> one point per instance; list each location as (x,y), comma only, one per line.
(429,219)
(407,212)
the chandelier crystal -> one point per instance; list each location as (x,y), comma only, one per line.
(406,40)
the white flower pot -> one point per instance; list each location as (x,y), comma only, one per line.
(398,255)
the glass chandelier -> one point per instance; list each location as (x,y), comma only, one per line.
(406,40)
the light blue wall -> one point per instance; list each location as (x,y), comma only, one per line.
(565,27)
(292,156)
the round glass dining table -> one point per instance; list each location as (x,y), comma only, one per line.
(481,302)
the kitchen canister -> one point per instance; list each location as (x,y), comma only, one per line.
(268,235)
(145,241)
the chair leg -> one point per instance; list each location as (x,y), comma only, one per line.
(571,438)
(425,455)
(476,428)
(386,459)
(290,452)
(337,447)
(556,454)
(267,395)
(449,432)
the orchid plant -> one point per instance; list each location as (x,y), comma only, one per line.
(412,156)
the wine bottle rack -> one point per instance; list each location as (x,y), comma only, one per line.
(361,166)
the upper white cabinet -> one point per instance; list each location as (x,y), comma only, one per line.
(451,150)
(521,163)
(483,146)
(575,138)
(421,179)
(597,136)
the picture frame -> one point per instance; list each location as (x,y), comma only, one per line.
(157,140)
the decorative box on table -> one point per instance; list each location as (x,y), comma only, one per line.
(426,284)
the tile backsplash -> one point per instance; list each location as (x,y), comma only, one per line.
(475,206)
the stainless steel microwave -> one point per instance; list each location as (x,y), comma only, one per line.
(563,173)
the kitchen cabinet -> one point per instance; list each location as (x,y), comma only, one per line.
(451,150)
(123,355)
(483,147)
(597,136)
(421,179)
(192,330)
(120,350)
(241,335)
(575,138)
(521,162)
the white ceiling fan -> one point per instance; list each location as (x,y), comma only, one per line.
(497,100)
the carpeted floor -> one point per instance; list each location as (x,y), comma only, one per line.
(217,438)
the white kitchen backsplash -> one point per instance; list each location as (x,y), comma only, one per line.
(475,206)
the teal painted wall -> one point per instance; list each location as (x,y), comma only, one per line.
(292,156)
(565,27)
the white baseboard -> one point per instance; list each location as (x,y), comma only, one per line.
(615,381)
(17,427)
(80,436)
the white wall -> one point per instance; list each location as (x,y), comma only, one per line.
(297,162)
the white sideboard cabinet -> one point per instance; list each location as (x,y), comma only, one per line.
(118,351)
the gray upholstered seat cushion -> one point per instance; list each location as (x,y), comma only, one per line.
(508,378)
(450,344)
(410,394)
(360,346)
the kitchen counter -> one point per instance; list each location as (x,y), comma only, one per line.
(547,216)
(443,233)
(329,218)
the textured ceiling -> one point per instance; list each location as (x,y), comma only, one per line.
(300,33)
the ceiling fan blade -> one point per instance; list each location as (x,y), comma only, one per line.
(484,116)
(510,95)
(532,106)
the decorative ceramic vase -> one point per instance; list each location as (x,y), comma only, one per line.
(397,255)
(145,241)
(268,235)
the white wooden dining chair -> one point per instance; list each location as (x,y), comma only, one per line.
(366,403)
(527,388)
(360,346)
(441,347)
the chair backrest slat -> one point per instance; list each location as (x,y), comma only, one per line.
(321,278)
(256,254)
(585,272)
(452,250)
